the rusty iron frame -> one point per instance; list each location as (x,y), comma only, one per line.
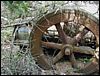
(88,21)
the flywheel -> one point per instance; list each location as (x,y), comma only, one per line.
(62,33)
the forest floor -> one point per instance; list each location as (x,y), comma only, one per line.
(16,62)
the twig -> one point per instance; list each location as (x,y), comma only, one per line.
(6,26)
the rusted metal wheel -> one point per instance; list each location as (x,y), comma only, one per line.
(66,44)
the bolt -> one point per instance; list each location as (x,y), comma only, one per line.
(67,51)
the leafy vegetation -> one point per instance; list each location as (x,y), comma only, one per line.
(17,8)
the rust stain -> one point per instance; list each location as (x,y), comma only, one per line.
(54,19)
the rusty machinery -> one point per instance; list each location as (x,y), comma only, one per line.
(71,27)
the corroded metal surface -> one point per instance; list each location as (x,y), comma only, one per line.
(90,68)
(81,17)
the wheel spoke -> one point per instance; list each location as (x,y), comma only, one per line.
(52,45)
(73,60)
(83,49)
(80,35)
(58,56)
(62,34)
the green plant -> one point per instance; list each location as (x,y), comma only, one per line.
(17,8)
(85,60)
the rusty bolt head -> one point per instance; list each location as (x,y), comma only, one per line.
(67,51)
